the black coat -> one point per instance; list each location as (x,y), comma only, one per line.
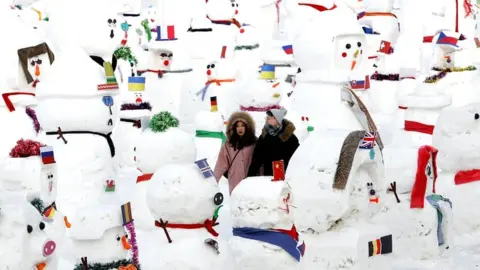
(273,148)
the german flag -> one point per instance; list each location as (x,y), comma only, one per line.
(384,245)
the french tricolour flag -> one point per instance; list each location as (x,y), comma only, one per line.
(166,33)
(447,40)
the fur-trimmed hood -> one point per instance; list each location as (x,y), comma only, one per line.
(285,134)
(240,116)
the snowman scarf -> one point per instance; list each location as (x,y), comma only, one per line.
(288,240)
(436,201)
(203,91)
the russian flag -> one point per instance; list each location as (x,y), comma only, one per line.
(288,49)
(46,153)
(447,40)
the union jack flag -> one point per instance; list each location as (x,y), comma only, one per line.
(368,141)
(204,168)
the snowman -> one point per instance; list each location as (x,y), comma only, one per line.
(455,137)
(269,17)
(103,236)
(221,82)
(265,236)
(185,200)
(80,135)
(379,13)
(209,135)
(130,23)
(423,210)
(247,53)
(160,143)
(224,25)
(344,189)
(328,61)
(134,107)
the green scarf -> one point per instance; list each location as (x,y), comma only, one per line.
(211,134)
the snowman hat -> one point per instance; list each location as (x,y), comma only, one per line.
(448,40)
(423,168)
(92,222)
(164,39)
(267,72)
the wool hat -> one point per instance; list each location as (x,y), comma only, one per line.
(279,114)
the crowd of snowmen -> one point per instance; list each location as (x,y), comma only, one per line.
(114,111)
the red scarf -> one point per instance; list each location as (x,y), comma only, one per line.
(8,102)
(144,177)
(318,7)
(464,177)
(419,189)
(207,224)
(418,127)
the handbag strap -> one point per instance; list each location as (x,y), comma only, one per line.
(235,156)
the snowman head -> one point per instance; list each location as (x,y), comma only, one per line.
(247,35)
(456,138)
(213,70)
(260,203)
(38,248)
(34,61)
(222,10)
(149,14)
(336,50)
(161,59)
(179,193)
(209,121)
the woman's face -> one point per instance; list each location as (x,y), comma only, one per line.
(271,121)
(240,128)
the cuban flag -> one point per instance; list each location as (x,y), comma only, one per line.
(444,39)
(204,168)
(288,240)
(368,141)
(288,49)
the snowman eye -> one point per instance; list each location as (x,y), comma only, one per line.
(359,44)
(126,236)
(170,55)
(41,226)
(213,65)
(236,5)
(208,66)
(348,46)
(32,63)
(114,21)
(477,116)
(118,238)
(29,229)
(233,5)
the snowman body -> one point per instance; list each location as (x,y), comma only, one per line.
(208,141)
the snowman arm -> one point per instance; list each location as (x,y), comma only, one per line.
(222,163)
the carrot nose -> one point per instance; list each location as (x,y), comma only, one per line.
(37,70)
(125,243)
(275,84)
(67,224)
(41,266)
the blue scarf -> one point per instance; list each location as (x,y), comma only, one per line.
(288,241)
(433,200)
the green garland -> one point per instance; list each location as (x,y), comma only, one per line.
(38,204)
(146,27)
(163,121)
(126,54)
(247,47)
(106,266)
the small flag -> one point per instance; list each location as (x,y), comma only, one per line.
(47,155)
(360,15)
(126,213)
(136,83)
(213,104)
(204,168)
(444,39)
(50,211)
(385,47)
(369,31)
(357,84)
(368,141)
(278,170)
(267,72)
(384,245)
(110,186)
(224,52)
(167,33)
(288,49)
(477,42)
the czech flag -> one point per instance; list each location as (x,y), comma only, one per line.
(444,39)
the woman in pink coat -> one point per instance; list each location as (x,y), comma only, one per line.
(236,154)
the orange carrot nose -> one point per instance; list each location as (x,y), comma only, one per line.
(353,65)
(37,70)
(125,243)
(275,84)
(67,224)
(41,266)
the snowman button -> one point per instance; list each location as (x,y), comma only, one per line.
(218,198)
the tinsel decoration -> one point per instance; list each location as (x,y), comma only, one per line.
(31,113)
(385,77)
(146,28)
(162,121)
(26,148)
(247,47)
(133,241)
(38,204)
(126,54)
(134,106)
(121,264)
(443,72)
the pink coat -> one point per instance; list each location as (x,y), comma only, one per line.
(239,168)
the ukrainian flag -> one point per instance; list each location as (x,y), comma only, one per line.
(267,72)
(136,83)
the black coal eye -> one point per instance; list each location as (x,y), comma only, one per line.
(359,44)
(114,21)
(477,116)
(29,229)
(131,64)
(126,236)
(213,66)
(236,5)
(109,21)
(218,198)
(170,55)
(39,61)
(163,55)
(348,46)
(208,66)
(41,226)
(233,5)
(118,238)
(134,148)
(32,63)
